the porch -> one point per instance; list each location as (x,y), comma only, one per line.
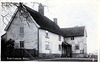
(66,50)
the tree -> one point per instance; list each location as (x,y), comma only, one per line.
(7,11)
(10,47)
(3,49)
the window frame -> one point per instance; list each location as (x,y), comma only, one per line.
(47,34)
(21,44)
(21,31)
(82,51)
(72,38)
(77,47)
(47,46)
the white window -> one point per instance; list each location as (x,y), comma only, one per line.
(47,47)
(46,34)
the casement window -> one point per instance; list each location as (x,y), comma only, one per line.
(60,47)
(77,47)
(72,38)
(21,31)
(21,44)
(46,36)
(47,47)
(59,38)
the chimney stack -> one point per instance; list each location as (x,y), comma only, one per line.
(41,9)
(55,20)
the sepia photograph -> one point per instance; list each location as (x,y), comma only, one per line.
(49,30)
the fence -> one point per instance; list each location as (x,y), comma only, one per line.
(19,53)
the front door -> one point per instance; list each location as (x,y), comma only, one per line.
(69,51)
(66,50)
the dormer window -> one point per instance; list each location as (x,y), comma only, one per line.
(46,34)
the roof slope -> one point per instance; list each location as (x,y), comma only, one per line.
(44,22)
(73,31)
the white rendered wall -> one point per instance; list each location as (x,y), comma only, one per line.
(53,42)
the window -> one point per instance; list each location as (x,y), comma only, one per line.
(21,31)
(46,34)
(59,47)
(77,47)
(21,44)
(47,46)
(82,51)
(59,38)
(72,38)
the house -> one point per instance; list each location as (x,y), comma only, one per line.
(76,37)
(38,36)
(36,33)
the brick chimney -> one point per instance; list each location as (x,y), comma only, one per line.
(55,20)
(41,9)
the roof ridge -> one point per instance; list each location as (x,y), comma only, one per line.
(44,22)
(73,27)
(76,31)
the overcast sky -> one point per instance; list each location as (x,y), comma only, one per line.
(72,13)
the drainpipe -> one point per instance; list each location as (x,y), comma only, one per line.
(38,41)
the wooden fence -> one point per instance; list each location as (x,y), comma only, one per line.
(21,53)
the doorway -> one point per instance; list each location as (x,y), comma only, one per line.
(66,50)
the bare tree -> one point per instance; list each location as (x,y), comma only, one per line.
(7,6)
(6,11)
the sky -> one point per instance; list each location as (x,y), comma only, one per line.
(71,13)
